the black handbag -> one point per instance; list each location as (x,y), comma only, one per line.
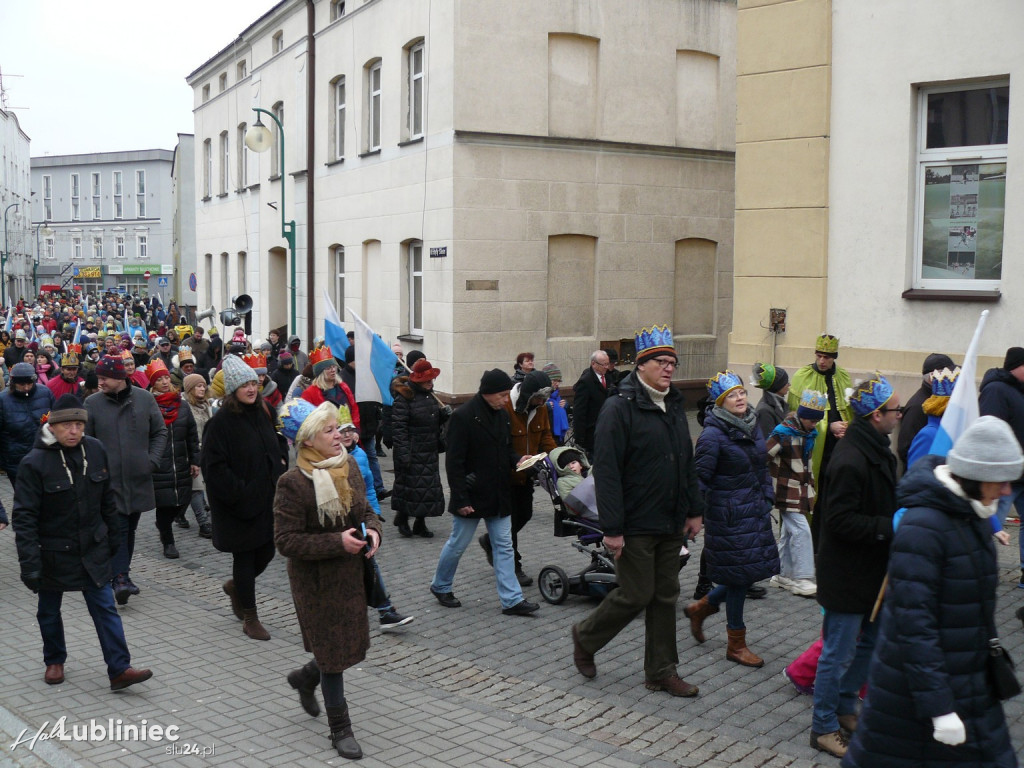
(375,594)
(999,667)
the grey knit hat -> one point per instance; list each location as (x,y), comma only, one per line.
(987,451)
(236,373)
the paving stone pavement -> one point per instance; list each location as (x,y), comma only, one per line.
(460,687)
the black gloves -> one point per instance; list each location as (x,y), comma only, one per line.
(32,581)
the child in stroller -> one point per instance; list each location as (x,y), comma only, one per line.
(565,475)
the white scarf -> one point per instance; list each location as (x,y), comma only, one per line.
(945,476)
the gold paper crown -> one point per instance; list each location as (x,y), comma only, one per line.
(816,401)
(257,360)
(827,344)
(320,355)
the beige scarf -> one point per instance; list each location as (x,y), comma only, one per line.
(330,482)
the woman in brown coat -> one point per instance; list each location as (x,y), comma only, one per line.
(325,527)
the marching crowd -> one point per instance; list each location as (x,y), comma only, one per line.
(112,411)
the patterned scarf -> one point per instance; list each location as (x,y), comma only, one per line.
(169,403)
(330,482)
(791,427)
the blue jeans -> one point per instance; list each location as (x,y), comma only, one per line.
(499,529)
(733,596)
(1015,499)
(386,606)
(121,563)
(848,640)
(370,448)
(100,602)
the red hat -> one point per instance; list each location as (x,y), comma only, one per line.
(422,372)
(111,367)
(156,369)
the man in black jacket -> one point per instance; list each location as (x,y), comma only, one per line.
(65,524)
(480,455)
(858,500)
(589,393)
(914,418)
(649,504)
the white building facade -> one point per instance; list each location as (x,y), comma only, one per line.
(15,209)
(105,221)
(476,179)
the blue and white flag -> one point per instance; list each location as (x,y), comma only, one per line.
(375,362)
(78,331)
(10,319)
(962,409)
(125,328)
(334,331)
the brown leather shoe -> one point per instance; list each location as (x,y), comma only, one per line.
(54,674)
(584,661)
(696,613)
(130,676)
(834,743)
(251,625)
(738,650)
(229,590)
(674,685)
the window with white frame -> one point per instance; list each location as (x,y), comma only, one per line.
(48,247)
(140,193)
(337,9)
(242,273)
(97,247)
(373,106)
(222,82)
(414,86)
(225,162)
(275,151)
(961,186)
(207,168)
(415,265)
(118,185)
(208,260)
(47,198)
(76,210)
(338,285)
(277,42)
(243,158)
(76,248)
(119,246)
(96,191)
(142,246)
(337,127)
(206,92)
(241,70)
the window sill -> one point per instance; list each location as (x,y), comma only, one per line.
(240,190)
(253,187)
(275,177)
(411,338)
(417,140)
(222,194)
(339,161)
(204,199)
(925,294)
(371,153)
(298,174)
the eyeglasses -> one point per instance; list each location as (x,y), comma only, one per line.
(665,364)
(901,410)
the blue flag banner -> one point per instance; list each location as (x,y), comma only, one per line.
(375,363)
(334,331)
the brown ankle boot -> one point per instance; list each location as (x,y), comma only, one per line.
(342,738)
(738,650)
(696,613)
(251,625)
(229,590)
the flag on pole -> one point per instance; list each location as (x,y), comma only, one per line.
(10,319)
(962,409)
(125,317)
(375,362)
(334,331)
(78,332)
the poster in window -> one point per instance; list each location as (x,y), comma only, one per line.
(963,221)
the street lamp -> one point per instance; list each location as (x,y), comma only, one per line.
(258,138)
(35,266)
(3,261)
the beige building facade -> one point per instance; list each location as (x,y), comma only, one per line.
(476,179)
(874,181)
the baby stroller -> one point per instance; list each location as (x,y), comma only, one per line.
(597,579)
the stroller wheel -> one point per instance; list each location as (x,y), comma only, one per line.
(553,584)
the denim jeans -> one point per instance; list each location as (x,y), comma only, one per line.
(733,596)
(121,563)
(499,529)
(796,552)
(848,640)
(371,454)
(1015,499)
(386,606)
(198,503)
(100,602)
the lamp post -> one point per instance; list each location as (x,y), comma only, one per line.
(3,261)
(35,266)
(258,138)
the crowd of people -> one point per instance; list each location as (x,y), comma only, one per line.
(115,407)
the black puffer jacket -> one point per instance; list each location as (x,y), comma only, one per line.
(1002,396)
(172,483)
(66,532)
(929,658)
(19,423)
(643,463)
(415,433)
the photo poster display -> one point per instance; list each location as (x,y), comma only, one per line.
(964,208)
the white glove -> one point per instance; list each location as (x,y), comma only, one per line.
(949,729)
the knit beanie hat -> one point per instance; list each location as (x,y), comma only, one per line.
(236,373)
(1014,358)
(987,451)
(285,358)
(23,373)
(67,408)
(413,356)
(553,371)
(936,361)
(111,367)
(192,381)
(494,381)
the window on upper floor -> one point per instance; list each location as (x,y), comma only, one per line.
(961,186)
(414,90)
(225,162)
(337,9)
(97,247)
(47,198)
(243,157)
(206,93)
(222,82)
(414,274)
(277,42)
(373,91)
(241,70)
(117,184)
(96,199)
(48,247)
(76,248)
(142,246)
(336,121)
(207,168)
(275,151)
(76,212)
(119,246)
(337,260)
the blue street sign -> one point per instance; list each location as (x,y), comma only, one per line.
(161,281)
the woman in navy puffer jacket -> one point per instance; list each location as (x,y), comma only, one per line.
(929,703)
(732,469)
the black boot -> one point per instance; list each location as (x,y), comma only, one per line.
(305,679)
(170,551)
(704,586)
(419,528)
(341,733)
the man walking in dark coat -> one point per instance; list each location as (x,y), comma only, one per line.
(914,417)
(480,457)
(65,523)
(21,406)
(649,505)
(855,530)
(589,394)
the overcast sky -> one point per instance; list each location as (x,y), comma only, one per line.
(109,75)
